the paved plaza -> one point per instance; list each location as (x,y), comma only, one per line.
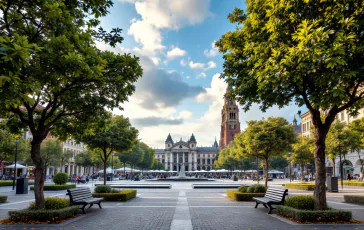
(181,208)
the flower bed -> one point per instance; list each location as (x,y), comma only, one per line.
(331,215)
(3,199)
(242,196)
(10,183)
(53,187)
(121,196)
(301,186)
(354,199)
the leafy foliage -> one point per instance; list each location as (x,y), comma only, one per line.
(257,188)
(354,199)
(124,195)
(239,196)
(103,189)
(301,202)
(53,216)
(8,146)
(52,203)
(243,188)
(306,52)
(301,186)
(60,178)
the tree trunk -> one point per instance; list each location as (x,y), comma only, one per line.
(334,168)
(266,171)
(39,173)
(319,155)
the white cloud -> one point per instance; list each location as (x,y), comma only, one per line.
(201,75)
(176,52)
(127,1)
(211,65)
(155,60)
(188,77)
(164,14)
(185,114)
(212,52)
(196,65)
(165,62)
(182,63)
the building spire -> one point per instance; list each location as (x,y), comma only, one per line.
(294,120)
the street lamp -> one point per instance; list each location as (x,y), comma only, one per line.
(112,166)
(16,156)
(289,169)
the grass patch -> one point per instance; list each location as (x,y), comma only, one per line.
(301,186)
(124,195)
(242,196)
(314,216)
(354,199)
(54,187)
(10,183)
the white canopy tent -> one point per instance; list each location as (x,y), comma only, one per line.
(108,170)
(18,166)
(275,172)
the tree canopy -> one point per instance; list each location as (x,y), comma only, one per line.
(52,76)
(306,52)
(111,135)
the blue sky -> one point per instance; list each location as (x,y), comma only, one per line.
(180,91)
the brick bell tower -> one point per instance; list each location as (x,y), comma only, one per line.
(230,125)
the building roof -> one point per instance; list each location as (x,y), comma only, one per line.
(169,138)
(159,150)
(215,144)
(207,149)
(193,139)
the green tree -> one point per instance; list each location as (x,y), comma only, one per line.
(147,157)
(116,135)
(306,52)
(278,163)
(83,159)
(302,152)
(338,143)
(136,155)
(50,151)
(267,138)
(156,164)
(52,76)
(65,157)
(8,147)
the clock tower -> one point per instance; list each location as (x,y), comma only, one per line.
(230,125)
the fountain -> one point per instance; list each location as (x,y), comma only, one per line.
(182,176)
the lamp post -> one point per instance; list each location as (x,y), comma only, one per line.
(289,169)
(112,166)
(16,156)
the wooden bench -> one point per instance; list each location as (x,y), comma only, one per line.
(274,196)
(82,196)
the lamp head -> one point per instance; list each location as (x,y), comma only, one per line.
(17,141)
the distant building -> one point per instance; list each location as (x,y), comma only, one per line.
(230,125)
(187,153)
(296,127)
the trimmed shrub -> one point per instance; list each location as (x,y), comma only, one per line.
(54,187)
(354,199)
(54,216)
(3,199)
(102,189)
(301,186)
(121,196)
(301,202)
(352,183)
(60,178)
(115,191)
(257,188)
(52,203)
(243,188)
(10,183)
(240,196)
(331,215)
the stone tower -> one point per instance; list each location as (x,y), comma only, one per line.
(230,125)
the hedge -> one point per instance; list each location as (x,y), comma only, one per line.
(332,215)
(10,183)
(301,202)
(53,187)
(354,199)
(301,186)
(3,199)
(122,196)
(242,196)
(54,216)
(352,183)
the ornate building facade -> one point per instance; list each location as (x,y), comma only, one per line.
(230,125)
(176,154)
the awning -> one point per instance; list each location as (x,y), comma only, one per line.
(18,166)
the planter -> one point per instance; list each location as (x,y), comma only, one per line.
(54,187)
(242,196)
(122,196)
(136,179)
(235,179)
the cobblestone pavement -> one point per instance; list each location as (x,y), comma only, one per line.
(159,208)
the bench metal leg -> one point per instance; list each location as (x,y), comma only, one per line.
(100,205)
(270,209)
(265,205)
(91,205)
(256,205)
(83,209)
